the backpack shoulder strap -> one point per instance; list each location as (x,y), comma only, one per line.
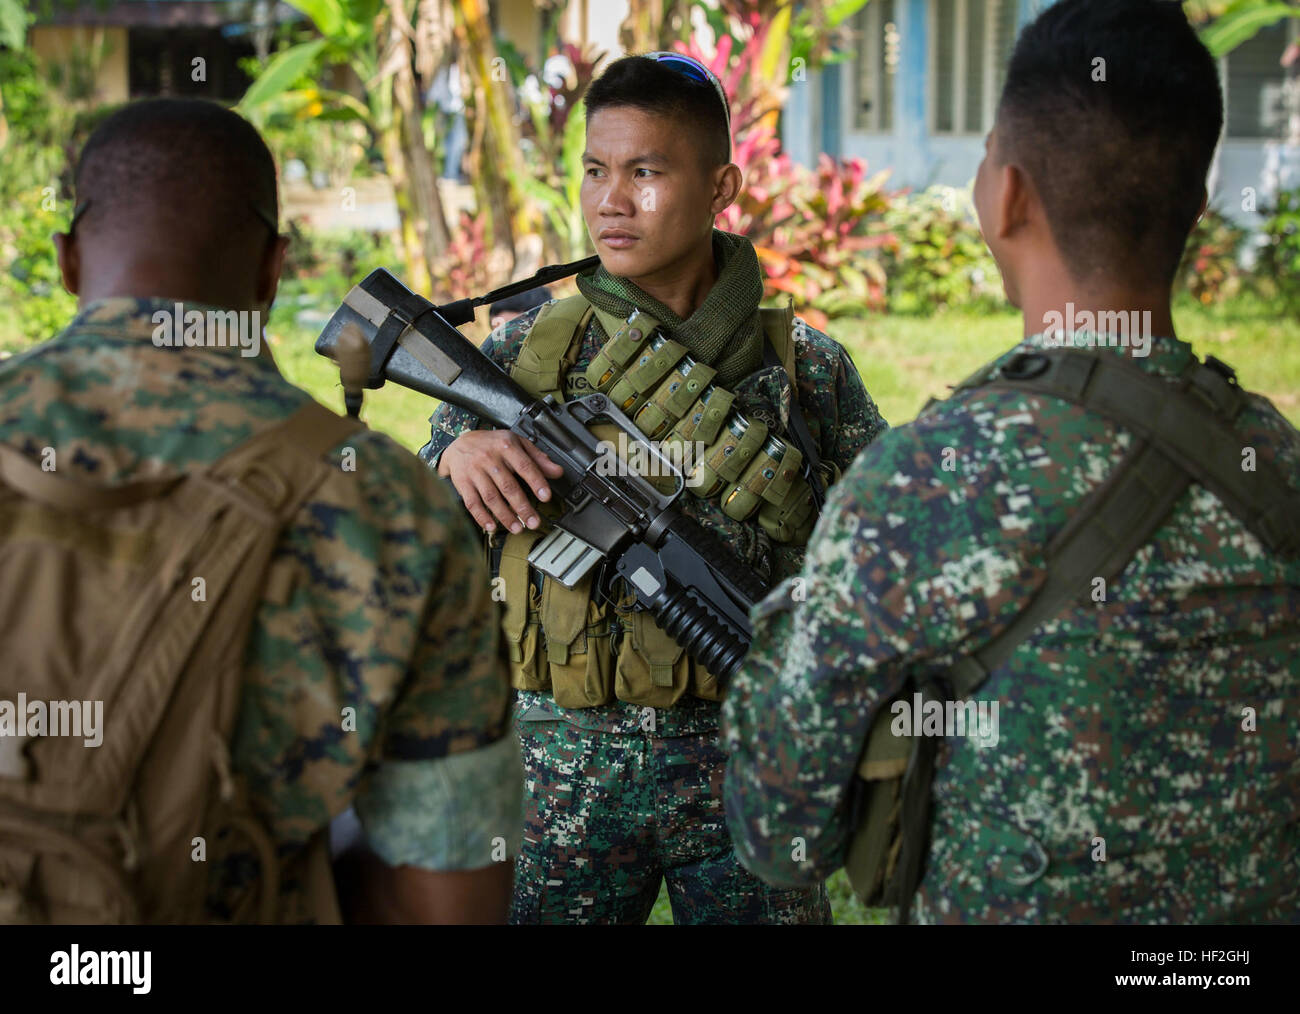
(169,669)
(267,478)
(1190,422)
(553,339)
(1106,530)
(28,479)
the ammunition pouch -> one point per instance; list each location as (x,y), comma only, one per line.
(521,620)
(673,399)
(587,654)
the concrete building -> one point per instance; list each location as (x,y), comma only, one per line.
(920,92)
(109,53)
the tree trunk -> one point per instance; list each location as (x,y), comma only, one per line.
(413,249)
(424,222)
(653,25)
(496,157)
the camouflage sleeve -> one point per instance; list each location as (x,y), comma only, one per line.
(858,420)
(903,567)
(448,785)
(458,668)
(462,812)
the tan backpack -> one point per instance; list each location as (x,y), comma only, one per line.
(125,613)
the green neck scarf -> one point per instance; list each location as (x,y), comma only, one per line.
(726,332)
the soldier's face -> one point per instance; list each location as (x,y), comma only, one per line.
(648,197)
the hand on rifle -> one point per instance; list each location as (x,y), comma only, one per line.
(483,465)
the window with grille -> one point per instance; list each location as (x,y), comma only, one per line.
(970,44)
(876,28)
(1255,81)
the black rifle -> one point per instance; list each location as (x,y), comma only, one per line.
(687,578)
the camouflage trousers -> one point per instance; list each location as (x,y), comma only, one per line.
(608,816)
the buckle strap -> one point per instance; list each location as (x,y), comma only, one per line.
(1189,421)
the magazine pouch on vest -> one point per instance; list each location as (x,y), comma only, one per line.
(1182,434)
(560,639)
(521,618)
(728,457)
(127,610)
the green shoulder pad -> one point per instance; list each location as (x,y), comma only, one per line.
(551,341)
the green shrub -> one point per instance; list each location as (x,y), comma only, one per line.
(320,267)
(1279,257)
(336,148)
(1211,267)
(938,258)
(33,303)
(817,232)
(35,202)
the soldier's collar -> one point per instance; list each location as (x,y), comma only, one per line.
(1140,344)
(172,324)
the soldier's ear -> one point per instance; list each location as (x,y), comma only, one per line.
(726,187)
(69,261)
(1016,198)
(268,272)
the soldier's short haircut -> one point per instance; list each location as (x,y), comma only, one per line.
(641,83)
(1113,108)
(190,165)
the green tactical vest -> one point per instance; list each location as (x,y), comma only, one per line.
(1184,434)
(560,640)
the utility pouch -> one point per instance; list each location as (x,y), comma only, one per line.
(578,657)
(793,518)
(769,478)
(520,621)
(874,850)
(728,456)
(656,359)
(653,670)
(674,397)
(703,421)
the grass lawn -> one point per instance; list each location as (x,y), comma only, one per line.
(903,360)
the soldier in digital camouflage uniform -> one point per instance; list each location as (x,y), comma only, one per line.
(375,600)
(620,795)
(1129,781)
